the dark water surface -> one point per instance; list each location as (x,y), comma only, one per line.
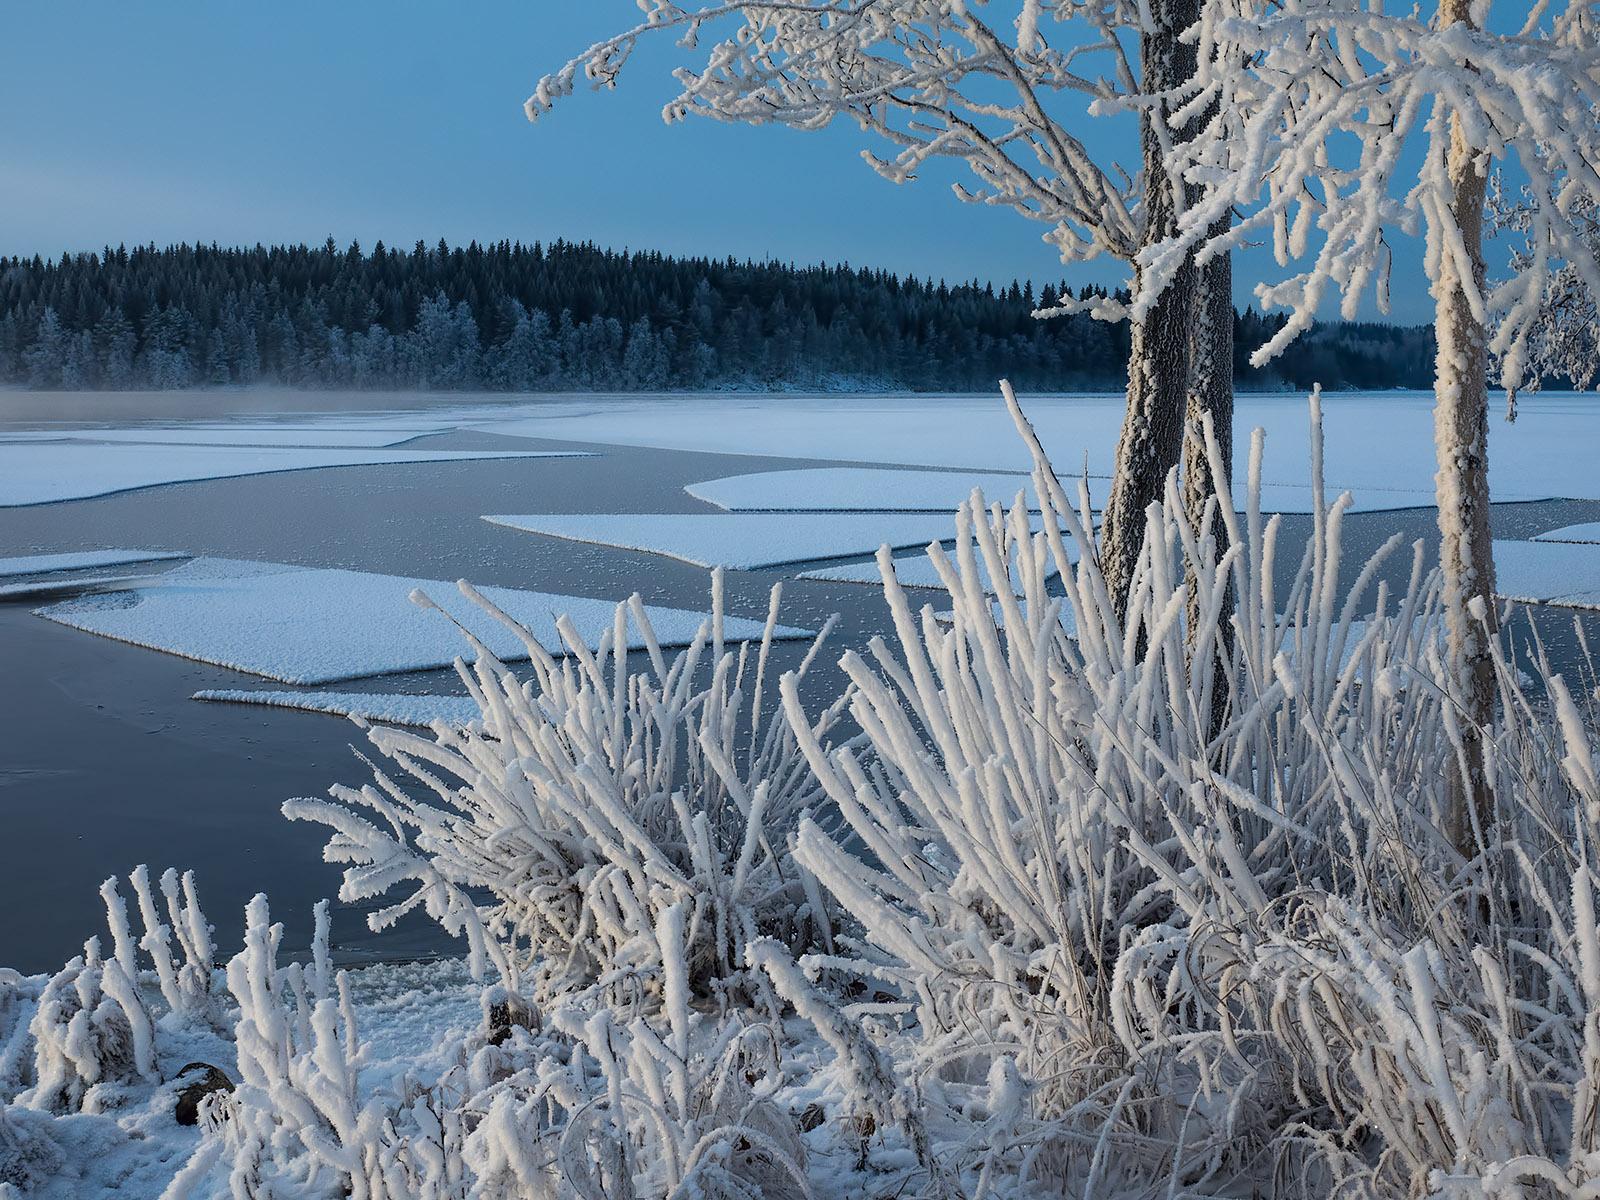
(105,762)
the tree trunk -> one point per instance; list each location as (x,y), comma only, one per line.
(1461,428)
(1210,391)
(1158,359)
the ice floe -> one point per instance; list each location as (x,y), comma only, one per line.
(1548,572)
(307,625)
(41,564)
(856,489)
(744,541)
(1589,531)
(371,436)
(39,473)
(392,707)
(64,585)
(1379,445)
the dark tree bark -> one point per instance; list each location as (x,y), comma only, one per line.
(1158,359)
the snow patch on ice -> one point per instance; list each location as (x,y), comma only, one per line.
(853,489)
(1548,452)
(40,564)
(42,474)
(372,436)
(64,585)
(304,625)
(743,541)
(393,707)
(1547,572)
(1589,531)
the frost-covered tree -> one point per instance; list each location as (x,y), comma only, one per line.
(1312,103)
(1564,341)
(1002,88)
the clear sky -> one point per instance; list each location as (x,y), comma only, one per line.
(296,121)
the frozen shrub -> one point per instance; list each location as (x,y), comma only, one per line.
(19,997)
(586,804)
(1144,864)
(298,1122)
(92,1031)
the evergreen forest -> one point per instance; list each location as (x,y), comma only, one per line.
(576,317)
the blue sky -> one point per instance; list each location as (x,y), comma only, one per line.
(293,121)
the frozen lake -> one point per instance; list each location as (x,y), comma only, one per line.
(106,762)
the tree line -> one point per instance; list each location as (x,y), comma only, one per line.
(576,317)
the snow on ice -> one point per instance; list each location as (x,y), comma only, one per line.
(1589,531)
(1549,572)
(372,436)
(856,489)
(1547,453)
(743,541)
(34,473)
(303,625)
(41,564)
(393,707)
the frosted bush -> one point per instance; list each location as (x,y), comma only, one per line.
(300,1121)
(1140,864)
(92,1030)
(588,802)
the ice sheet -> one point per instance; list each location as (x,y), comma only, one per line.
(744,541)
(59,586)
(857,489)
(1378,444)
(1551,572)
(376,706)
(305,625)
(39,564)
(39,473)
(1589,531)
(851,489)
(234,435)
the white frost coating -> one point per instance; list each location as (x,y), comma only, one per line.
(393,707)
(912,571)
(744,541)
(43,474)
(1095,937)
(306,625)
(39,564)
(1315,102)
(604,828)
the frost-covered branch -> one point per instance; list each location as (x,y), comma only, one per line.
(928,76)
(1315,100)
